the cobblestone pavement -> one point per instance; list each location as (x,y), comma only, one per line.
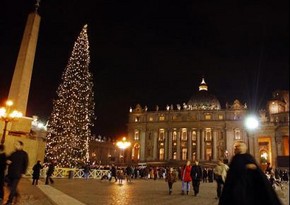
(29,194)
(138,192)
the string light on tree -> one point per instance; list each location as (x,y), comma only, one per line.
(73,110)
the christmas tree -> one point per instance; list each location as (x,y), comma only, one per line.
(73,110)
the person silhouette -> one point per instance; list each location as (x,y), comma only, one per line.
(36,172)
(246,183)
(17,166)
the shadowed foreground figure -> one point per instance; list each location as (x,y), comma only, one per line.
(246,183)
(36,172)
(2,171)
(17,165)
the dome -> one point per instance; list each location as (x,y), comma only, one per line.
(203,100)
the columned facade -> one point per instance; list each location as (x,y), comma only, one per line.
(208,133)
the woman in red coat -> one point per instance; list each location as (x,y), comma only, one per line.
(186,178)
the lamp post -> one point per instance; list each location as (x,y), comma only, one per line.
(251,124)
(7,115)
(123,144)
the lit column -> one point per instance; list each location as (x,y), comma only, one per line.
(155,145)
(198,144)
(202,144)
(170,145)
(142,145)
(189,144)
(166,145)
(178,146)
(278,140)
(214,146)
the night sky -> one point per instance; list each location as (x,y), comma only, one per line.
(152,52)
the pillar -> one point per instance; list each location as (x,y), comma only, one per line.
(202,144)
(198,139)
(178,146)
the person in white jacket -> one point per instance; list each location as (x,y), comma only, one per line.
(220,173)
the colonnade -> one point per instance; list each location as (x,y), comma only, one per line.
(199,143)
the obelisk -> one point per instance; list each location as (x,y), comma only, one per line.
(20,85)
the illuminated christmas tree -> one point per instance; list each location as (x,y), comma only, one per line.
(73,110)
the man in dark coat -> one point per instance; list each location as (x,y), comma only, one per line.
(196,176)
(2,171)
(36,172)
(113,173)
(17,166)
(204,175)
(49,173)
(246,183)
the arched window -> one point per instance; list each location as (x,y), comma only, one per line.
(208,134)
(136,152)
(184,134)
(237,134)
(174,136)
(136,135)
(161,135)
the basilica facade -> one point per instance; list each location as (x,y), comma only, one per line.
(201,129)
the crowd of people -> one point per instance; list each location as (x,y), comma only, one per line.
(240,182)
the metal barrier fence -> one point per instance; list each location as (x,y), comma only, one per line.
(70,173)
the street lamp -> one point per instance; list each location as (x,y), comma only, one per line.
(8,115)
(123,144)
(251,124)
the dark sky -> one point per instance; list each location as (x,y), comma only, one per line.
(152,52)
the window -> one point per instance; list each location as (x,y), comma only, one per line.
(136,136)
(207,116)
(174,136)
(208,134)
(184,135)
(208,153)
(161,153)
(193,136)
(221,117)
(184,154)
(237,133)
(150,119)
(137,119)
(161,118)
(193,156)
(161,135)
(174,155)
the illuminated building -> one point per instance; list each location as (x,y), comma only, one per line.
(201,129)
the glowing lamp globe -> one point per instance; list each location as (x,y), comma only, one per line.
(251,122)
